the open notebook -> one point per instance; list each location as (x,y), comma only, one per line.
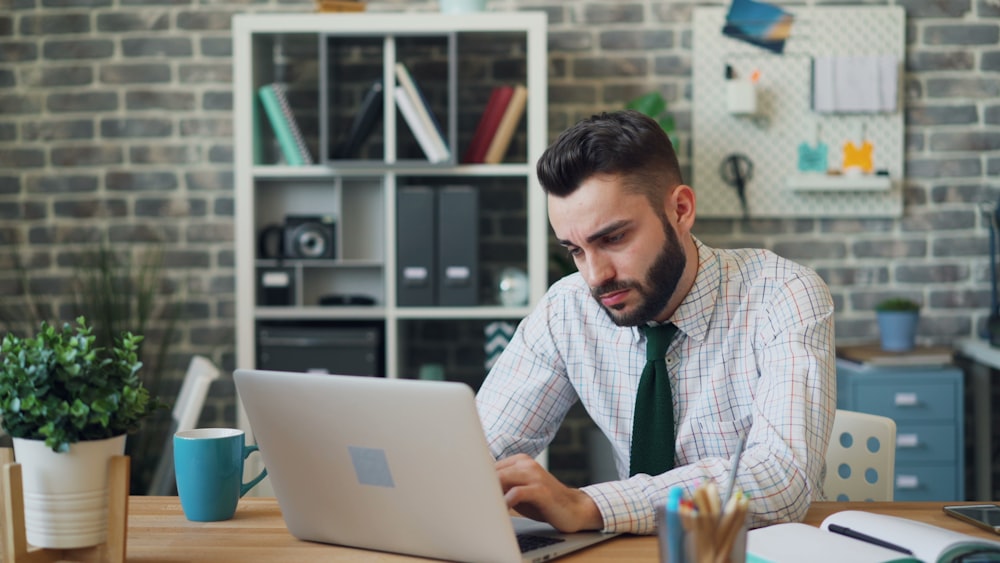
(388,464)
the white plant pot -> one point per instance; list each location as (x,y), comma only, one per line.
(66,494)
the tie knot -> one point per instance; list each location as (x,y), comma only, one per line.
(658,340)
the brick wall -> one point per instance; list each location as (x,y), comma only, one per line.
(115,116)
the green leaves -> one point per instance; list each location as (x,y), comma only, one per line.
(58,386)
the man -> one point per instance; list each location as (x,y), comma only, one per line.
(753,355)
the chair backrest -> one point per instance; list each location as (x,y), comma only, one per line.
(187,408)
(861,457)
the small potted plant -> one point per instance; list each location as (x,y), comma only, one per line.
(67,403)
(897,323)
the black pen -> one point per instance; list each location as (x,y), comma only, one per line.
(866,538)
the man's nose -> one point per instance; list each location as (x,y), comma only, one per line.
(599,270)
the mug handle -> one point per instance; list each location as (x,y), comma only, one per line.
(245,487)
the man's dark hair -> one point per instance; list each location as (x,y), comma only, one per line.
(623,143)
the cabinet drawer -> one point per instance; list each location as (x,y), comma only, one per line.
(927,483)
(901,400)
(920,443)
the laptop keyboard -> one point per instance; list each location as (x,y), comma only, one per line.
(529,542)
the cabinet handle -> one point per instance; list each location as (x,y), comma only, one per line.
(907,482)
(906,399)
(907,440)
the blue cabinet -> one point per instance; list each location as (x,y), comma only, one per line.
(926,403)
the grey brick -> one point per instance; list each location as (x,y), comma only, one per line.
(142,233)
(6,25)
(204,20)
(169,207)
(21,158)
(993,166)
(941,115)
(8,131)
(672,66)
(967,141)
(597,14)
(217,101)
(61,184)
(207,127)
(810,250)
(890,249)
(963,193)
(958,299)
(956,246)
(141,181)
(936,273)
(146,20)
(673,12)
(90,208)
(52,75)
(987,9)
(78,49)
(86,155)
(19,104)
(209,180)
(63,234)
(7,78)
(136,127)
(972,87)
(134,73)
(216,46)
(935,8)
(965,34)
(55,24)
(570,41)
(208,73)
(625,39)
(159,99)
(187,259)
(76,3)
(610,67)
(937,221)
(18,52)
(222,154)
(86,102)
(943,167)
(157,47)
(165,154)
(927,61)
(57,129)
(913,141)
(850,276)
(209,232)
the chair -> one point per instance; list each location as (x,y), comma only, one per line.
(187,409)
(861,457)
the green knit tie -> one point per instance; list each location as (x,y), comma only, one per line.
(653,424)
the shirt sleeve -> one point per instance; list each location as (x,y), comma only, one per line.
(526,394)
(791,416)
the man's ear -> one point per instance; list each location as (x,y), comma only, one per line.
(682,206)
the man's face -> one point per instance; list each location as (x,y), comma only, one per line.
(627,251)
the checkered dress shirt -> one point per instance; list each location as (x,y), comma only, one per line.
(754,356)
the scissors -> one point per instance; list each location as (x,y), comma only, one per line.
(736,170)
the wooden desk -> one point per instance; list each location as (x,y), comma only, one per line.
(158,532)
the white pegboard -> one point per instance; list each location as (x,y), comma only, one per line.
(785,119)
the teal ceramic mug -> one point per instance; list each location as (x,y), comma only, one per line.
(208,464)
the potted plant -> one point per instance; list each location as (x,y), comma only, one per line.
(68,406)
(897,323)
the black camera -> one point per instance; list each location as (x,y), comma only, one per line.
(308,237)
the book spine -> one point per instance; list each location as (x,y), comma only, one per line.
(363,123)
(422,109)
(487,126)
(508,124)
(286,130)
(406,107)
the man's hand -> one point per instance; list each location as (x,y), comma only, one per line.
(534,492)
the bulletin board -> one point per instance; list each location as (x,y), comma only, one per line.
(770,137)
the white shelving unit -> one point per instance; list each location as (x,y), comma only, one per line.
(361,193)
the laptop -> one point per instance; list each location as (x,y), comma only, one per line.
(393,465)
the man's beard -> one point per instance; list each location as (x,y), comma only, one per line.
(659,286)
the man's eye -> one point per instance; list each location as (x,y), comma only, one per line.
(614,238)
(574,251)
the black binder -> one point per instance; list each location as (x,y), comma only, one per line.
(458,246)
(415,272)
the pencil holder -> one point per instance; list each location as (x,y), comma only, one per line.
(689,535)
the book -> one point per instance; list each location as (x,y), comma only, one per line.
(487,126)
(899,539)
(406,107)
(423,111)
(508,124)
(872,355)
(279,114)
(363,123)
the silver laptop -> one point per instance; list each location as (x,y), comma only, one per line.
(393,465)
